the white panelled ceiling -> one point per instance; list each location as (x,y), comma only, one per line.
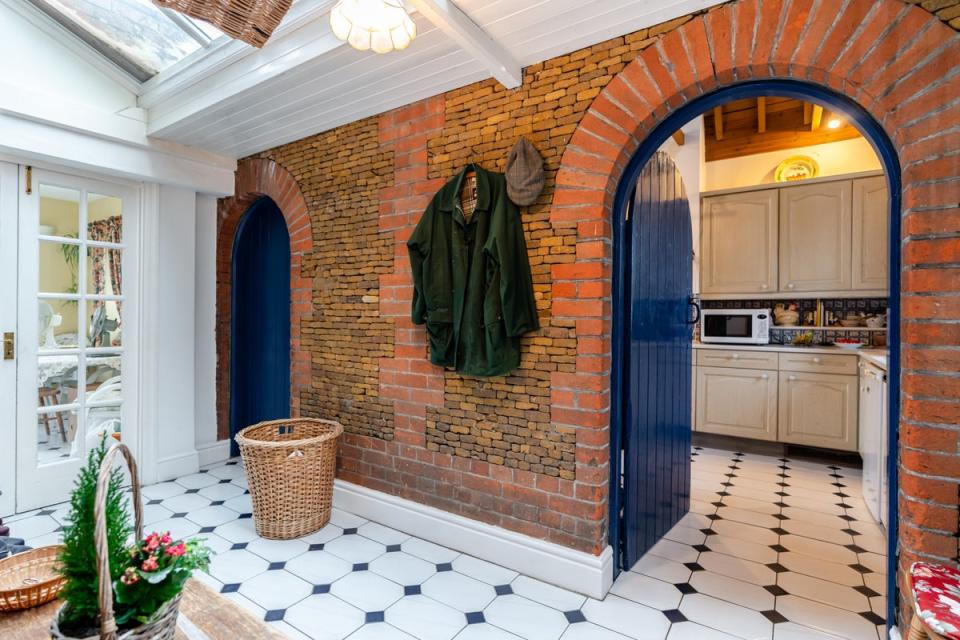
(232,99)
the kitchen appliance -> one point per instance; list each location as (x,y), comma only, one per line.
(735,326)
(873,439)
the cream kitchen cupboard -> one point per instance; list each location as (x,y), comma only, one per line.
(815,237)
(789,395)
(871,228)
(818,410)
(826,237)
(737,402)
(739,243)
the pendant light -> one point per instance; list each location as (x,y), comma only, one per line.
(380,25)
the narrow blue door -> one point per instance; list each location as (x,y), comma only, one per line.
(260,319)
(657,381)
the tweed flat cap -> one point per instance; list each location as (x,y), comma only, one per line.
(524,173)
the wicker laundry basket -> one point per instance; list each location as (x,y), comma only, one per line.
(290,466)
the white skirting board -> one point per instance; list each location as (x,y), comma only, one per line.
(574,570)
(213,453)
(176,466)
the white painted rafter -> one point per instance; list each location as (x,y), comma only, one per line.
(451,20)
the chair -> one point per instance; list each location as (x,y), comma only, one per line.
(934,591)
(50,396)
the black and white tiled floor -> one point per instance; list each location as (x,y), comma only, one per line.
(771,549)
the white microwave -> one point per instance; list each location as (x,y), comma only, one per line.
(735,326)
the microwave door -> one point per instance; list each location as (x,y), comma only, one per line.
(735,326)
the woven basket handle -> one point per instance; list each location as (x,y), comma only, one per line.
(108,625)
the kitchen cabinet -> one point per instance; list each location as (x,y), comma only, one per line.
(739,243)
(737,358)
(815,237)
(873,439)
(818,410)
(737,402)
(826,237)
(871,228)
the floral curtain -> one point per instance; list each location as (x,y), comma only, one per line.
(106,230)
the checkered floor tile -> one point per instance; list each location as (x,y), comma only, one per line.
(772,548)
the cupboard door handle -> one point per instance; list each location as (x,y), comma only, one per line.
(792,378)
(736,356)
(764,286)
(816,360)
(790,285)
(765,377)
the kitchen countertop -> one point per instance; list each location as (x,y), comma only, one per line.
(875,356)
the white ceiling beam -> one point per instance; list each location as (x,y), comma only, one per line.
(450,19)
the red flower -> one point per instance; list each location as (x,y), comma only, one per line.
(150,564)
(165,538)
(177,550)
(152,542)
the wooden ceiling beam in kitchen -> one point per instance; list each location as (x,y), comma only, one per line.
(786,123)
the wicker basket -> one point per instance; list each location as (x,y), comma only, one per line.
(290,466)
(29,579)
(163,624)
(252,21)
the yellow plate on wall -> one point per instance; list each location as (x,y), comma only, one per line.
(797,168)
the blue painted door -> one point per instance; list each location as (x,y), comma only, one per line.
(658,331)
(260,319)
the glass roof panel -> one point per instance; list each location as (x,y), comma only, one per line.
(212,32)
(134,34)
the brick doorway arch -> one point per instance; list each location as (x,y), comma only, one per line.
(894,60)
(257,178)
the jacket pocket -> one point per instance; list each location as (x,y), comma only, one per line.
(440,334)
(494,329)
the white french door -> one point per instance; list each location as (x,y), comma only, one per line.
(8,329)
(76,327)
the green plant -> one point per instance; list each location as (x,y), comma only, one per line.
(157,568)
(71,255)
(78,560)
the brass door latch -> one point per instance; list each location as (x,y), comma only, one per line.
(8,345)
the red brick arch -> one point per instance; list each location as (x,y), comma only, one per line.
(899,63)
(257,178)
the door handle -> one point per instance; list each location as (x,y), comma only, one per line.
(693,303)
(8,345)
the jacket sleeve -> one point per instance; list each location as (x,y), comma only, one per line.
(418,247)
(516,284)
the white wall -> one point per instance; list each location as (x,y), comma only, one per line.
(834,158)
(689,161)
(205,370)
(173,322)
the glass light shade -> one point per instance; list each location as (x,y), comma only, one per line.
(380,25)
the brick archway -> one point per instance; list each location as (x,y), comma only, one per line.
(257,178)
(897,62)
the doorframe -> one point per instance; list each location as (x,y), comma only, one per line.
(241,226)
(131,194)
(9,253)
(889,159)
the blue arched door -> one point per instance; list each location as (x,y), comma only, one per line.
(260,319)
(658,324)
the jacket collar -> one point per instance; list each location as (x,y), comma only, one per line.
(450,201)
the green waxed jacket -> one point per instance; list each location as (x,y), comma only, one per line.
(472,284)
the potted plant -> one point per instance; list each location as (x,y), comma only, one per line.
(114,590)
